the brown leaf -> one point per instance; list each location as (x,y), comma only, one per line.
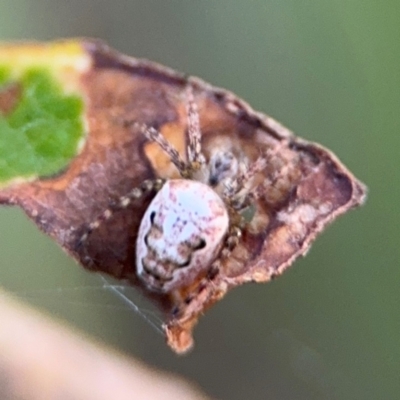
(304,186)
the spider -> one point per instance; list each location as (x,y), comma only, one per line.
(193,222)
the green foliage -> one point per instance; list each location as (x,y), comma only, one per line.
(4,75)
(42,132)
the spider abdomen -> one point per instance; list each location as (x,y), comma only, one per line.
(180,235)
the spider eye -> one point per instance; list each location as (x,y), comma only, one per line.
(152,217)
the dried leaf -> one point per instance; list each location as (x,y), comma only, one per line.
(301,189)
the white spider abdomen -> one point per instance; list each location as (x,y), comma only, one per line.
(180,234)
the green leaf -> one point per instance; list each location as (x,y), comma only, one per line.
(41,134)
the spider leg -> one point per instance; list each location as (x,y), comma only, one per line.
(241,190)
(231,241)
(233,189)
(123,202)
(249,173)
(195,155)
(155,136)
(259,191)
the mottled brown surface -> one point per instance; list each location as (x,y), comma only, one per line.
(9,96)
(306,187)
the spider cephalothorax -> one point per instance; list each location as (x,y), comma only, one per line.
(192,222)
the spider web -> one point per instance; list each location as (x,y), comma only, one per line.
(39,273)
(128,297)
(120,292)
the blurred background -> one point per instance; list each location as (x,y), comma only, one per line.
(329,328)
